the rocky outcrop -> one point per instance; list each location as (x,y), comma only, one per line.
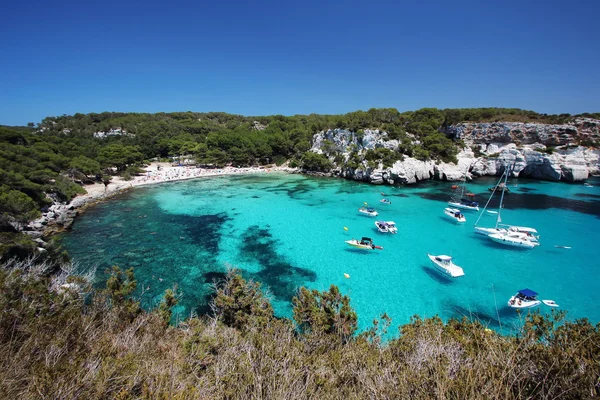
(490,147)
(578,131)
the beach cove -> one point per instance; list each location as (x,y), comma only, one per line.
(288,230)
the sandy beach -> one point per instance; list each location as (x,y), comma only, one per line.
(160,172)
(60,216)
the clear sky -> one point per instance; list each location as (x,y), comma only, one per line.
(283,57)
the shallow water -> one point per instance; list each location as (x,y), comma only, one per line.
(288,230)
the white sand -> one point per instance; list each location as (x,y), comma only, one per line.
(166,173)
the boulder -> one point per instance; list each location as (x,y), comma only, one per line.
(574,173)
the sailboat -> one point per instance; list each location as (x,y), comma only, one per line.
(517,236)
(464,203)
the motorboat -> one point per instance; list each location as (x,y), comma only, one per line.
(386,226)
(587,185)
(515,239)
(525,298)
(465,204)
(364,244)
(454,214)
(444,264)
(385,201)
(369,211)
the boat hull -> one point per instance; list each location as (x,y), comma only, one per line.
(463,206)
(511,241)
(520,304)
(451,214)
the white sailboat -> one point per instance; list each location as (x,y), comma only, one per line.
(516,236)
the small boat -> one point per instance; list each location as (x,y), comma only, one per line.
(386,226)
(550,303)
(385,201)
(465,204)
(454,214)
(364,244)
(525,298)
(501,187)
(444,264)
(370,211)
(515,239)
(587,185)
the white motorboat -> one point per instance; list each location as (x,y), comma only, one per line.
(385,201)
(386,226)
(587,185)
(454,214)
(515,239)
(369,211)
(364,244)
(444,264)
(525,298)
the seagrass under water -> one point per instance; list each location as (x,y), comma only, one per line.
(288,230)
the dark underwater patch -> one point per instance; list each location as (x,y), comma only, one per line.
(505,313)
(397,195)
(276,272)
(588,195)
(204,231)
(213,276)
(526,190)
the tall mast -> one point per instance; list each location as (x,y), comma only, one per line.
(498,220)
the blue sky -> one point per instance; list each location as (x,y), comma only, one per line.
(278,57)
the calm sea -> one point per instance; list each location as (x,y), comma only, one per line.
(288,231)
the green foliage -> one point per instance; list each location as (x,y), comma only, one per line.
(386,156)
(16,205)
(327,312)
(240,303)
(165,308)
(316,162)
(119,287)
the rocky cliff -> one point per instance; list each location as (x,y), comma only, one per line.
(530,148)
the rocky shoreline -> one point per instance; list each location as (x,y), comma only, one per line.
(486,153)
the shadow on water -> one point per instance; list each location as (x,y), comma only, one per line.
(506,314)
(530,201)
(276,272)
(526,190)
(437,276)
(588,195)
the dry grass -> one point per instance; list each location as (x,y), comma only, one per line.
(56,346)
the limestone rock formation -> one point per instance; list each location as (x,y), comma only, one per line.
(527,148)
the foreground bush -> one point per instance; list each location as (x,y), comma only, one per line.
(61,339)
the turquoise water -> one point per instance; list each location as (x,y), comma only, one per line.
(288,230)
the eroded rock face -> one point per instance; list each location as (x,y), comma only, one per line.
(495,147)
(576,131)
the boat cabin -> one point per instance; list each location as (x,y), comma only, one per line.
(526,294)
(366,241)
